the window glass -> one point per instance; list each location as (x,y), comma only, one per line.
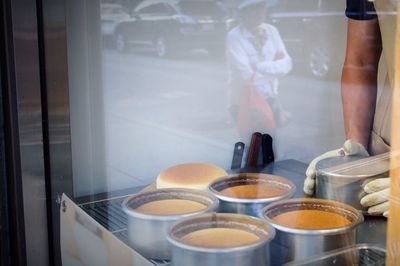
(275,87)
(171,84)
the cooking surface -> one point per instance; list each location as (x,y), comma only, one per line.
(106,207)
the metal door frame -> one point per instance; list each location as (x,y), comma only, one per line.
(35,146)
(55,108)
(12,233)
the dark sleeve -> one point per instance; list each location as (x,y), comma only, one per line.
(360,10)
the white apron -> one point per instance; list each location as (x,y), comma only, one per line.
(380,134)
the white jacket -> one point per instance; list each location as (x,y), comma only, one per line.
(246,65)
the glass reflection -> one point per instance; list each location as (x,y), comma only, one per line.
(256,57)
(168,74)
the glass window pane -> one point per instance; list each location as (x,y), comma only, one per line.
(227,83)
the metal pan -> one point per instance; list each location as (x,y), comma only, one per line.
(255,253)
(252,206)
(147,232)
(343,178)
(292,244)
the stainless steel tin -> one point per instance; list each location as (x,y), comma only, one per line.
(292,244)
(343,178)
(148,233)
(251,207)
(257,253)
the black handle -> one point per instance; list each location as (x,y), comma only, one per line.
(254,150)
(267,149)
(237,155)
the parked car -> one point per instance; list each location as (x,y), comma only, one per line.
(171,26)
(314,32)
(111,15)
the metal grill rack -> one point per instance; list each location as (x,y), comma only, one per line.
(109,214)
(370,256)
(361,255)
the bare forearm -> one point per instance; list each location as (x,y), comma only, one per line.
(359,90)
(359,79)
(277,67)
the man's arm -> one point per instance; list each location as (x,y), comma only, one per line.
(359,78)
(282,63)
(238,60)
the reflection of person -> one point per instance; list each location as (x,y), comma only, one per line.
(256,56)
(367,125)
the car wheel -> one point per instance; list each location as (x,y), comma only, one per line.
(161,46)
(320,61)
(120,43)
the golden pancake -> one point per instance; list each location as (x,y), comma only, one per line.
(189,175)
(170,207)
(311,219)
(220,237)
(253,191)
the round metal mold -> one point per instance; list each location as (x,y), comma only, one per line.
(255,253)
(292,244)
(148,232)
(343,178)
(249,206)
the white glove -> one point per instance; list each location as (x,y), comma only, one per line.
(377,199)
(350,147)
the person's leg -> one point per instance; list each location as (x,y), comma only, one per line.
(280,114)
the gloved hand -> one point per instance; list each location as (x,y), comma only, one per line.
(350,147)
(377,199)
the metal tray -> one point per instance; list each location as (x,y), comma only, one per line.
(361,254)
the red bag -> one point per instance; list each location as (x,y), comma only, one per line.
(254,108)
